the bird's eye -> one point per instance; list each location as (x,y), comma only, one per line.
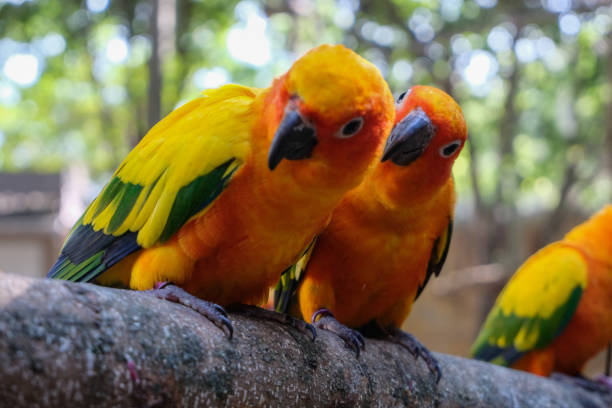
(350,128)
(449,149)
(402,96)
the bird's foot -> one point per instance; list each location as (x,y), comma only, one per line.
(326,321)
(416,348)
(283,318)
(602,384)
(212,311)
(605,381)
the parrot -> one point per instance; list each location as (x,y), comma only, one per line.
(388,235)
(555,313)
(225,192)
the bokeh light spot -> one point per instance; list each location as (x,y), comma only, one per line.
(499,39)
(117,50)
(97,6)
(557,6)
(210,78)
(52,44)
(248,42)
(481,67)
(402,70)
(569,24)
(525,50)
(486,3)
(23,69)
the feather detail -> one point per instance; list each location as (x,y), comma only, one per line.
(535,306)
(285,291)
(439,252)
(175,172)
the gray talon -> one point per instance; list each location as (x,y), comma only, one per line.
(212,311)
(415,348)
(352,338)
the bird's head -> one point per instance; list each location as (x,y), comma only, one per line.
(428,135)
(327,117)
(429,126)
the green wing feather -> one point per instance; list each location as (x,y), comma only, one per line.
(535,306)
(154,188)
(174,173)
(285,292)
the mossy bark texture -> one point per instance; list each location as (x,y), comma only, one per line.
(79,345)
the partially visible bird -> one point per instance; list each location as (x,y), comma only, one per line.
(389,235)
(555,313)
(226,191)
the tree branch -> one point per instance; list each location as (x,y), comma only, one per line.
(66,344)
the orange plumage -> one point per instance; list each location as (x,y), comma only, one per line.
(392,231)
(556,311)
(269,203)
(264,220)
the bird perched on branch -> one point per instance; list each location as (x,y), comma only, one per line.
(226,191)
(555,313)
(389,235)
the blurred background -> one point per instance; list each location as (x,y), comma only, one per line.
(82,81)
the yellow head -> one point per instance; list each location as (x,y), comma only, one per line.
(327,117)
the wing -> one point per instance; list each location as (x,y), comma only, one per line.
(285,291)
(535,306)
(438,256)
(176,171)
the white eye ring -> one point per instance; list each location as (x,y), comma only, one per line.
(449,149)
(402,97)
(350,128)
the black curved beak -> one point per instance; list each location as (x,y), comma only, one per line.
(409,138)
(294,140)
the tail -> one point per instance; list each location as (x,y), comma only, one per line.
(285,293)
(88,253)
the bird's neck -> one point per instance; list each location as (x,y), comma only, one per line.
(595,236)
(384,206)
(415,186)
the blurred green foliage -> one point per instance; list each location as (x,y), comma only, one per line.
(533,77)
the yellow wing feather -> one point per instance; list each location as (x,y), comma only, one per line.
(536,304)
(544,282)
(191,141)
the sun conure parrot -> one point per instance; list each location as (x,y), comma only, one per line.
(555,313)
(388,235)
(205,200)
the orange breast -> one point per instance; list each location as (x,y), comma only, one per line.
(245,240)
(368,264)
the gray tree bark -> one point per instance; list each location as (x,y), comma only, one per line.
(69,345)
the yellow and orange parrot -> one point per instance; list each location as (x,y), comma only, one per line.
(206,202)
(555,313)
(388,235)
